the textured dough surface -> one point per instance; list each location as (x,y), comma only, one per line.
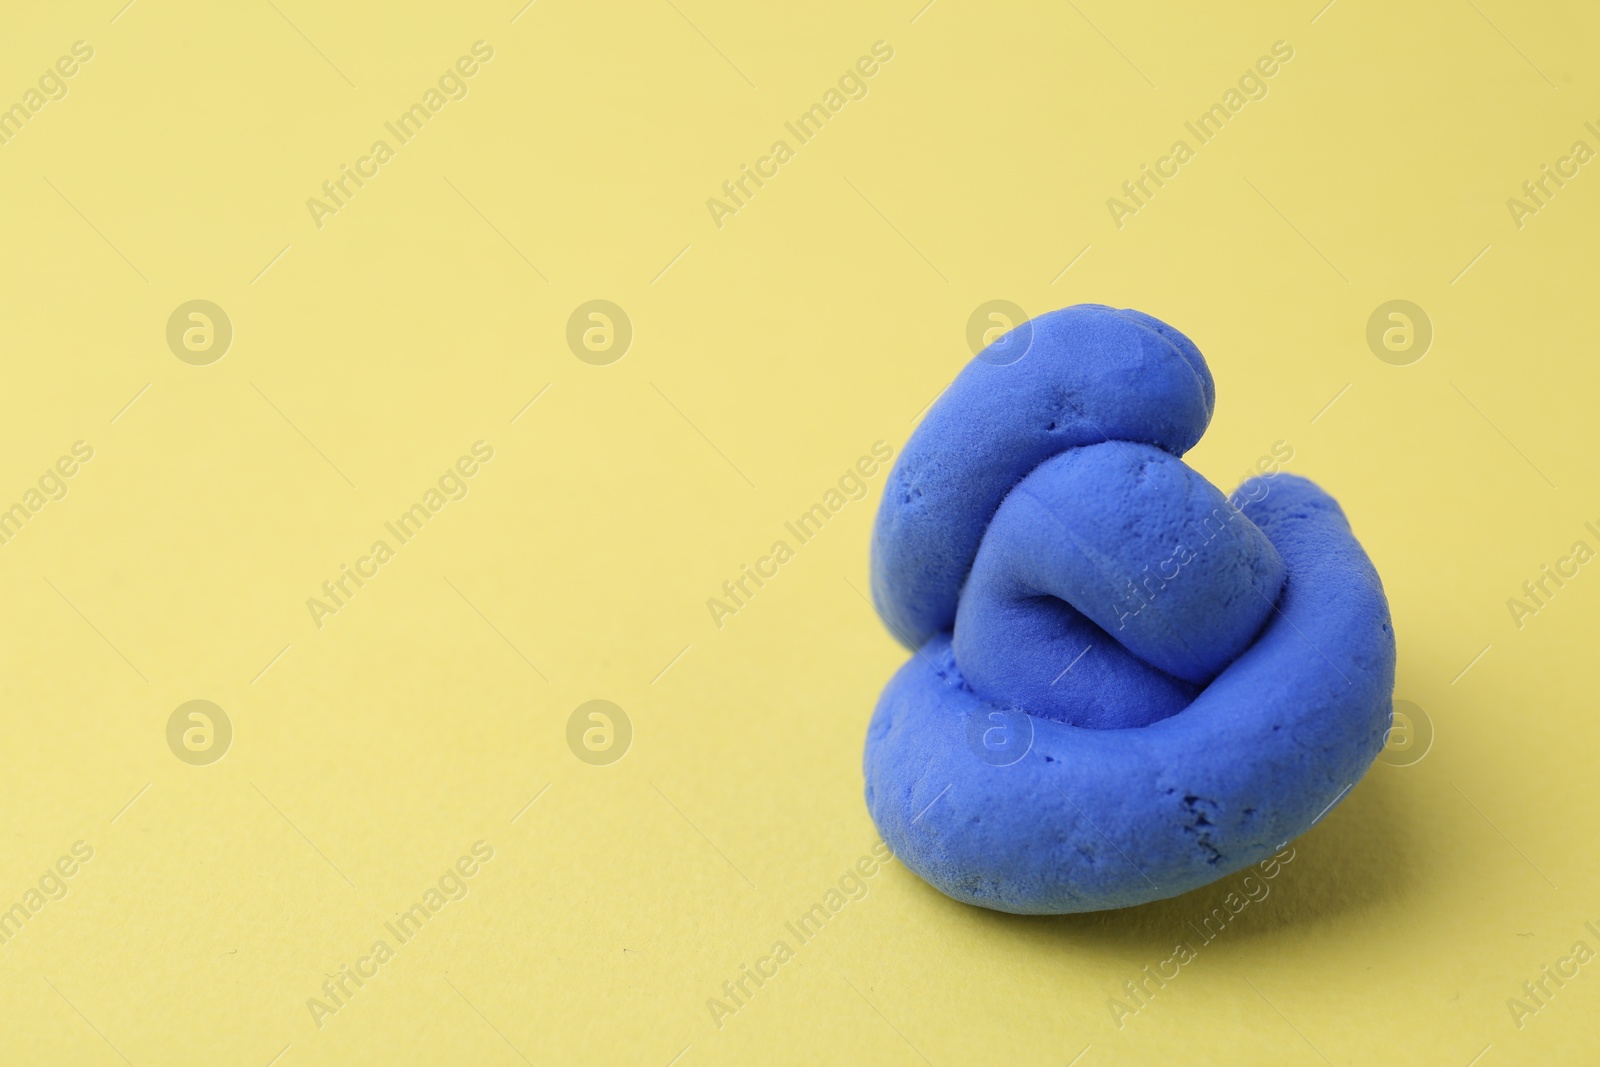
(1203,725)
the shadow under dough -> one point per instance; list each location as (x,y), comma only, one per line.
(1357,859)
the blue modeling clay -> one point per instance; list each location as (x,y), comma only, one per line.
(1125,685)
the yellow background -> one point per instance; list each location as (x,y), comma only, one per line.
(370,753)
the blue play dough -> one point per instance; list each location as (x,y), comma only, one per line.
(1126,685)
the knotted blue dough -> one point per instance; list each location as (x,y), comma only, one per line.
(1125,685)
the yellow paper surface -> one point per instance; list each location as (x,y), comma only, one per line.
(377,338)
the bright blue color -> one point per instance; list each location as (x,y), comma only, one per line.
(1148,686)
